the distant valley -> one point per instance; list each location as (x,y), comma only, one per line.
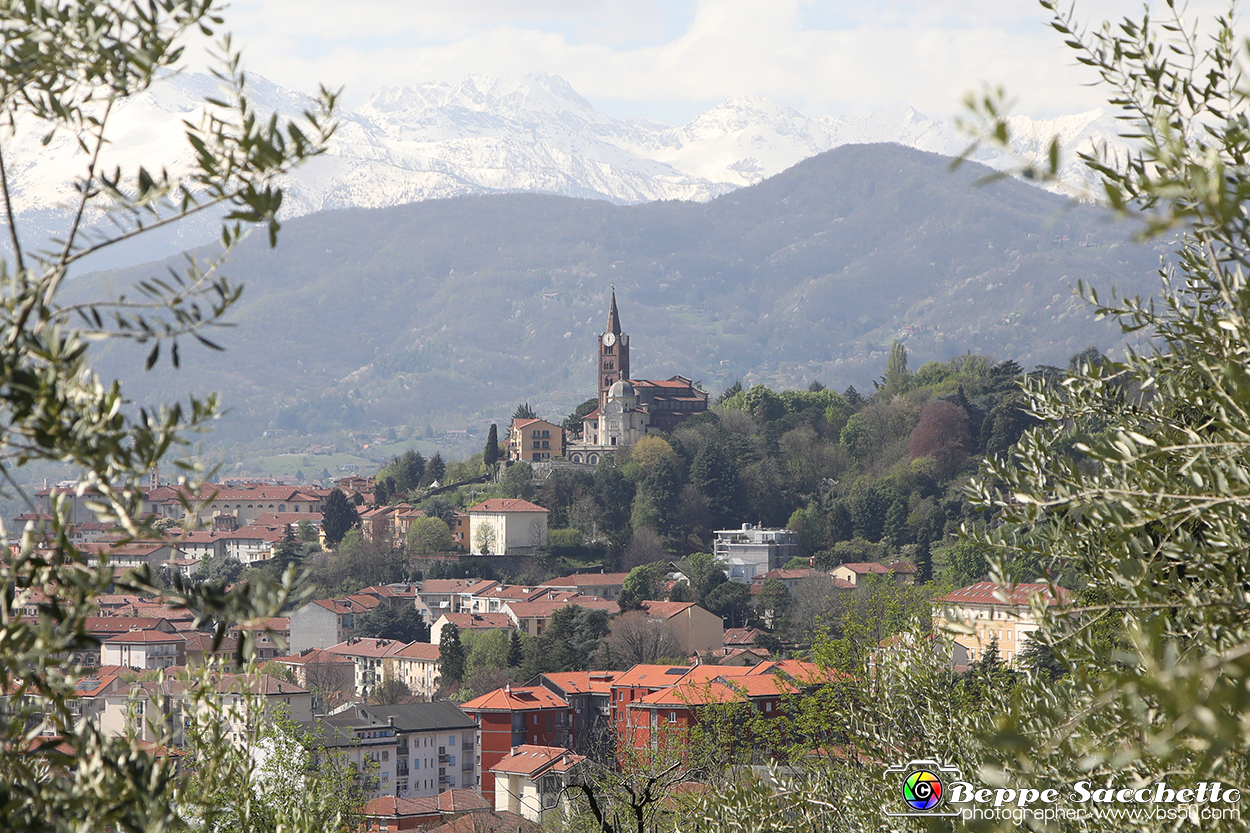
(446,313)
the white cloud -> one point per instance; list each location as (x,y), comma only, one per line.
(824,56)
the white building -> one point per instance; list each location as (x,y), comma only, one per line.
(530,782)
(144,650)
(753,551)
(503,526)
(436,746)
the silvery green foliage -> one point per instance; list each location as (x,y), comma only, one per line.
(247,766)
(1140,477)
(67,66)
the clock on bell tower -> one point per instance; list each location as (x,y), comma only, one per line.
(613,360)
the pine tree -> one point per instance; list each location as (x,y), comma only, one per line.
(516,650)
(435,469)
(895,533)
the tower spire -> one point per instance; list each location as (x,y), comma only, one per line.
(614,321)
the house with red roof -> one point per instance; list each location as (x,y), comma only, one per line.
(697,630)
(604,585)
(417,665)
(589,693)
(636,683)
(331,677)
(389,812)
(677,697)
(452,595)
(368,655)
(996,614)
(854,572)
(466,621)
(506,526)
(144,650)
(534,617)
(530,781)
(512,716)
(325,622)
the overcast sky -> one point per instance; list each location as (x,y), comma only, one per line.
(669,60)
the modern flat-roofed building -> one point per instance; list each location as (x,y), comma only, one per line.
(752,551)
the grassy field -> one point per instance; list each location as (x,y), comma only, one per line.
(367,461)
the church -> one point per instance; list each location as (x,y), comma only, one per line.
(629,409)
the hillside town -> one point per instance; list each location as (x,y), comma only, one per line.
(591,668)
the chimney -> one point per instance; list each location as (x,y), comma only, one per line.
(390,721)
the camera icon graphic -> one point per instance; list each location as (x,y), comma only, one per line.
(923,785)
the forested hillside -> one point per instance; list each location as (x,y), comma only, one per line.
(448,312)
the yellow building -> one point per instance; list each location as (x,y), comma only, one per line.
(535,440)
(995,613)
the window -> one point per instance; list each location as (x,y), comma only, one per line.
(672,717)
(607,351)
(386,756)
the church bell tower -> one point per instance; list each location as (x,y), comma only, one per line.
(613,360)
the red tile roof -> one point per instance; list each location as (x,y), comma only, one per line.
(506,505)
(865,567)
(472,586)
(511,698)
(368,647)
(740,636)
(586,580)
(651,676)
(782,574)
(418,650)
(988,593)
(482,621)
(667,610)
(532,760)
(144,637)
(545,609)
(313,656)
(583,682)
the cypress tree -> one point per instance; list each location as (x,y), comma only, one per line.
(337,516)
(451,654)
(490,454)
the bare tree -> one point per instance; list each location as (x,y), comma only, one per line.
(332,684)
(638,638)
(645,547)
(616,790)
(390,691)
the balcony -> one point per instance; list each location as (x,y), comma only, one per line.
(442,755)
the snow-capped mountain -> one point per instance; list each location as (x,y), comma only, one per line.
(495,135)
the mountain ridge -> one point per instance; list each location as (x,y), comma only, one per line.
(449,312)
(492,135)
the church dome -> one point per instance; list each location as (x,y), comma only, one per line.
(620,389)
